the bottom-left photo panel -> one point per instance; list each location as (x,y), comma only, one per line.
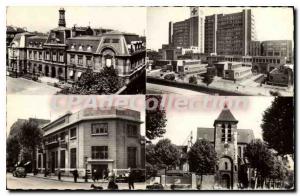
(75,142)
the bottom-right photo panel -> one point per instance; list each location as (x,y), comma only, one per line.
(219,143)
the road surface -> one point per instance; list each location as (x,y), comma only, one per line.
(28,87)
(161,89)
(38,183)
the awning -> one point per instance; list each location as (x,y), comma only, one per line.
(79,74)
(71,73)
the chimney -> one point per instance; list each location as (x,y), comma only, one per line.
(61,20)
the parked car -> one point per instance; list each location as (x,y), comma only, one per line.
(19,172)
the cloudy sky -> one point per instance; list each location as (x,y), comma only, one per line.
(37,18)
(271,23)
(51,107)
(182,122)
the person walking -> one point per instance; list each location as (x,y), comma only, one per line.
(130,180)
(94,175)
(111,181)
(75,175)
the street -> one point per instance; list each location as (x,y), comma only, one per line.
(161,89)
(28,87)
(35,183)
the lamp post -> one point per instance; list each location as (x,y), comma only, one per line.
(86,174)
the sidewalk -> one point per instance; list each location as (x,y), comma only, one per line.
(65,178)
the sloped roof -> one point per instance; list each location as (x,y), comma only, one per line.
(85,42)
(244,135)
(226,115)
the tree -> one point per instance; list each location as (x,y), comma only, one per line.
(260,158)
(30,137)
(107,81)
(202,158)
(12,150)
(278,125)
(155,117)
(193,80)
(167,153)
(208,78)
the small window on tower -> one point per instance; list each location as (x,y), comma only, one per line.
(229,133)
(226,166)
(223,133)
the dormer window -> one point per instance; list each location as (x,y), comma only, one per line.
(73,47)
(89,48)
(80,48)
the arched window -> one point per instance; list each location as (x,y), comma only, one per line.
(80,48)
(73,47)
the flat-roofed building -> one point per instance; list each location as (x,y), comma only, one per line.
(93,139)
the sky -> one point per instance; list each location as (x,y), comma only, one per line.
(181,122)
(44,18)
(271,23)
(51,107)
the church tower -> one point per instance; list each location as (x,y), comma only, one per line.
(61,20)
(225,142)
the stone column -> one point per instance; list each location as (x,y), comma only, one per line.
(194,181)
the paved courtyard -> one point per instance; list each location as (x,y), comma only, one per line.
(32,182)
(24,86)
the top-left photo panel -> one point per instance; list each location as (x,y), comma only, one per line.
(75,50)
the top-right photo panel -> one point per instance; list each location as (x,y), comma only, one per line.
(220,51)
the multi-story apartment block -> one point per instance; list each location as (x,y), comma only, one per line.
(188,33)
(229,34)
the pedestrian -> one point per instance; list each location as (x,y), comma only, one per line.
(59,175)
(94,175)
(130,180)
(75,175)
(112,185)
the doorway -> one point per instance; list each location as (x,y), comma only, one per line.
(225,182)
(100,169)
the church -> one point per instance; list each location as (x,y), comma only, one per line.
(229,143)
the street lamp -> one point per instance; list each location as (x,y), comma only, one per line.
(86,175)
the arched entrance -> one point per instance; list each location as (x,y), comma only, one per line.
(108,55)
(53,72)
(47,70)
(225,181)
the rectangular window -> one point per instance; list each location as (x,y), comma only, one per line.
(48,56)
(61,57)
(73,133)
(88,61)
(240,151)
(40,55)
(80,60)
(54,56)
(62,136)
(62,159)
(131,157)
(99,152)
(30,54)
(132,130)
(72,58)
(229,135)
(56,159)
(107,41)
(115,41)
(223,133)
(73,158)
(35,55)
(100,129)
